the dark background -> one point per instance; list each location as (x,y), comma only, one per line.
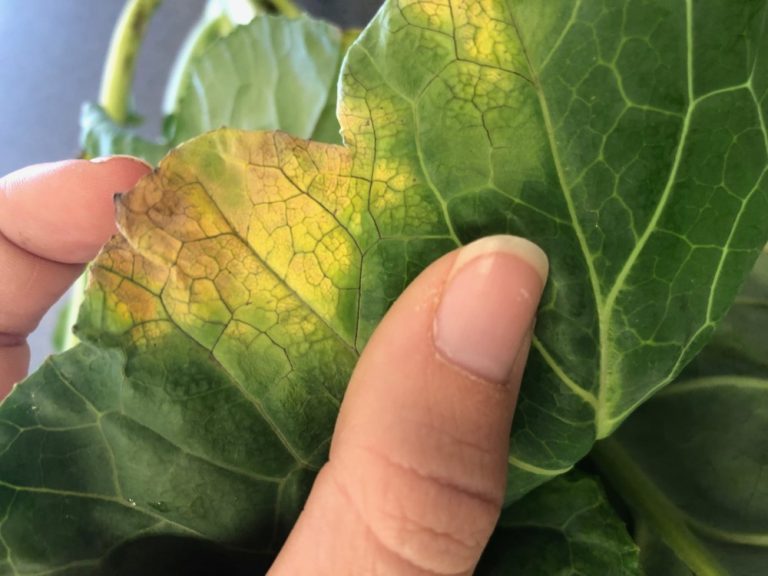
(51,56)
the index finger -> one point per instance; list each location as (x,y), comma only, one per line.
(53,218)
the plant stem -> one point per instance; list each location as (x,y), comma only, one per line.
(71,311)
(115,98)
(646,500)
(117,78)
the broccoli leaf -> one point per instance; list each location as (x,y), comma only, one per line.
(272,74)
(565,527)
(691,461)
(626,138)
(102,136)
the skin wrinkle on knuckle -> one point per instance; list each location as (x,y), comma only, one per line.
(36,280)
(464,541)
(4,239)
(483,502)
(337,479)
(462,426)
(462,441)
(8,340)
(475,453)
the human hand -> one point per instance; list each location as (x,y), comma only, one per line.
(418,461)
(53,218)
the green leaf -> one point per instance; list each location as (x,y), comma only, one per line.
(627,139)
(271,74)
(611,135)
(691,461)
(566,527)
(82,477)
(217,21)
(101,136)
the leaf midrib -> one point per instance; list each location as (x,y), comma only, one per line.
(567,194)
(604,424)
(578,230)
(605,305)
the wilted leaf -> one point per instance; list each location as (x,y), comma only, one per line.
(623,138)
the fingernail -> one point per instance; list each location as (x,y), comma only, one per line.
(488,305)
(103,159)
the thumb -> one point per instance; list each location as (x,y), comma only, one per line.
(417,468)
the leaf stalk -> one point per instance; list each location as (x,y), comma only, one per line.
(650,503)
(115,98)
(117,78)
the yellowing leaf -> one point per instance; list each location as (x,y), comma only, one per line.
(627,139)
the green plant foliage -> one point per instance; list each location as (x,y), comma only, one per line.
(101,136)
(271,74)
(222,325)
(565,527)
(656,557)
(691,461)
